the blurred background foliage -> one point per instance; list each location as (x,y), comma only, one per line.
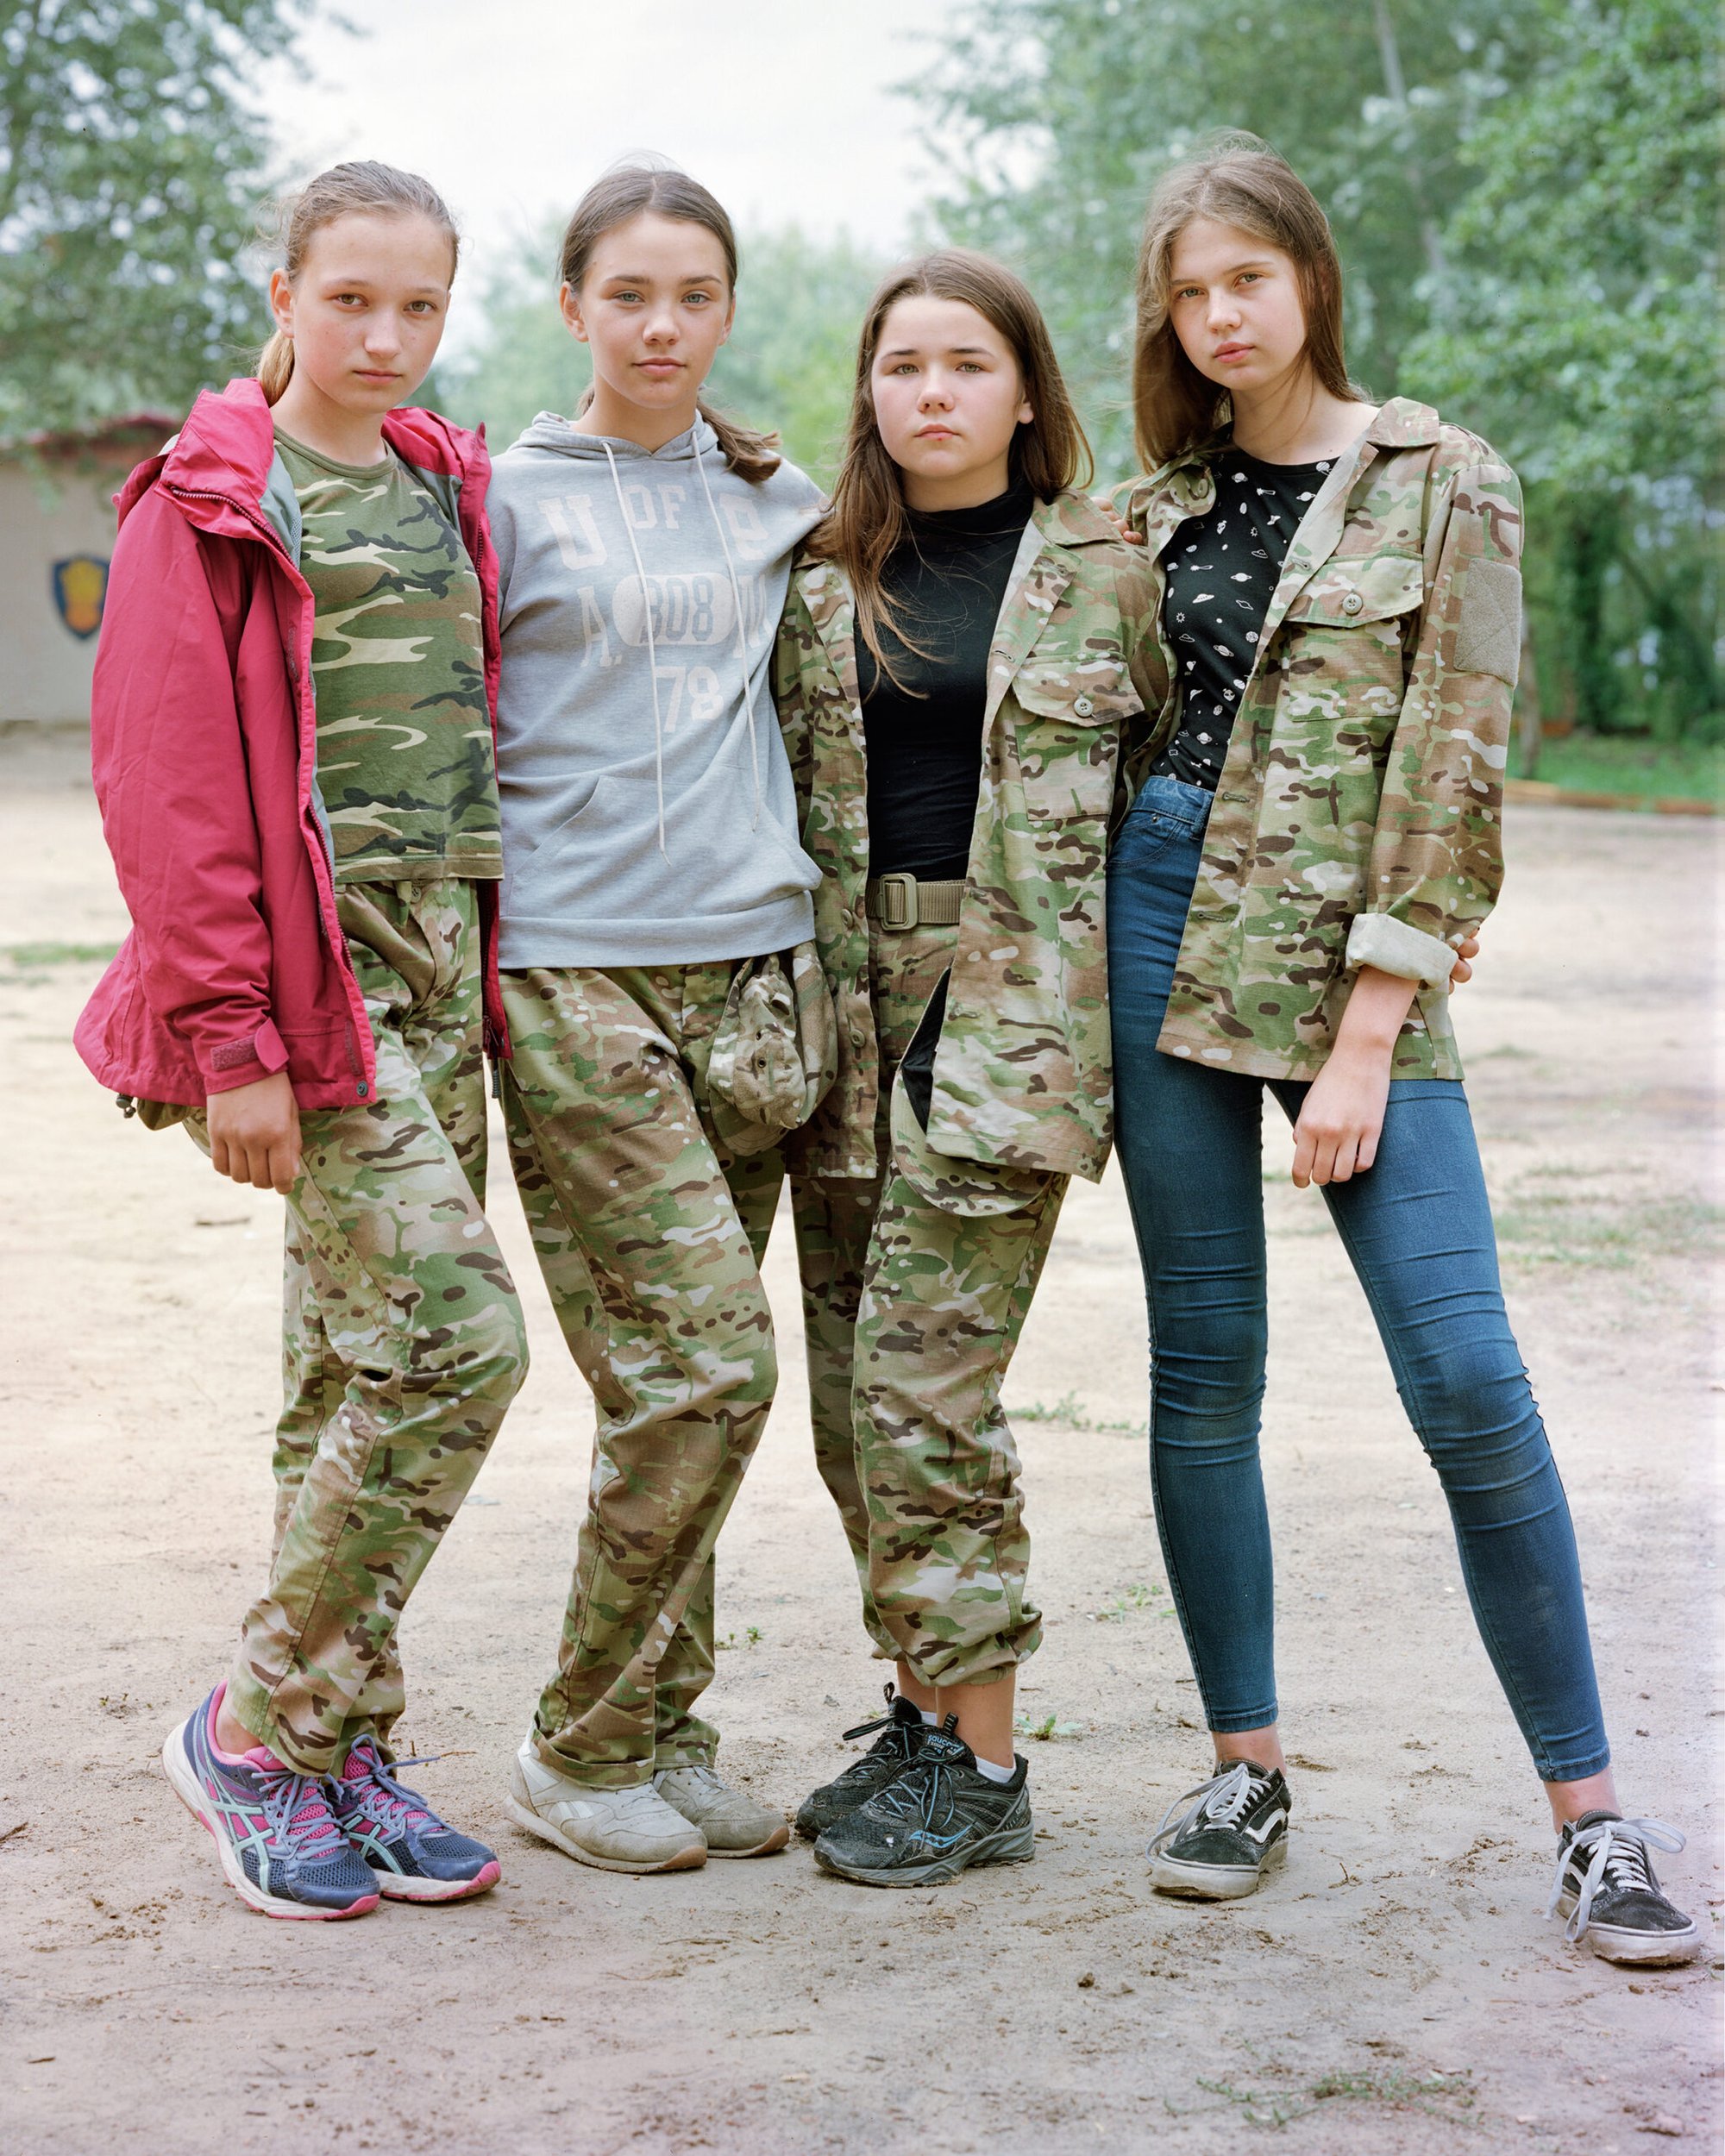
(1525,194)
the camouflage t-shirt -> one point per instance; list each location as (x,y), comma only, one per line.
(405,760)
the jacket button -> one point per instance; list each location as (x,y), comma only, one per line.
(1084,706)
(1352,603)
(362,1089)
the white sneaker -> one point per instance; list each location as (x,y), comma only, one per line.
(733,1825)
(618,1830)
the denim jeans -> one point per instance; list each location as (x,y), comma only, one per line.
(1417,1228)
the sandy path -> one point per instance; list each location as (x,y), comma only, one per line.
(1397,1991)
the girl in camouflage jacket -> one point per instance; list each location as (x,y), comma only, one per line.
(1338,601)
(963,663)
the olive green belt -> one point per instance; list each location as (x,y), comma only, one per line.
(900,902)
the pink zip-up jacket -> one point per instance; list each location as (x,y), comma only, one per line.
(203,747)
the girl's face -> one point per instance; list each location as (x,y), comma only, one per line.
(655,305)
(949,398)
(367,309)
(1235,301)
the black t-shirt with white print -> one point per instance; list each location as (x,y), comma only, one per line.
(1222,570)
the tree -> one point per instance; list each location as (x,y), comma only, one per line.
(1584,260)
(131,172)
(787,367)
(1057,116)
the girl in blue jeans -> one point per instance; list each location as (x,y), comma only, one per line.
(1316,835)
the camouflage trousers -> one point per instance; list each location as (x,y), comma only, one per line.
(650,1234)
(912,1315)
(403,1342)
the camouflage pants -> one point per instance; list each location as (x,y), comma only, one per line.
(403,1342)
(912,1315)
(651,1235)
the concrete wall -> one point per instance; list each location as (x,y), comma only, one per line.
(59,513)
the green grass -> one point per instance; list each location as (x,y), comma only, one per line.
(1633,763)
(1043,1727)
(1449,2097)
(32,957)
(1592,1231)
(1065,1413)
(1131,1600)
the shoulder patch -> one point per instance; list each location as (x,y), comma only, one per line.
(1488,633)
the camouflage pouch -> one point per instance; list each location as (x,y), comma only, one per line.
(776,1052)
(156,1115)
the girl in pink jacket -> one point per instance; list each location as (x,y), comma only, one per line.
(293,733)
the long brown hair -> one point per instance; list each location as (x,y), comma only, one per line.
(868,518)
(362,185)
(626,191)
(1241,181)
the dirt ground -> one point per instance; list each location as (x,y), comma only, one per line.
(1396,1991)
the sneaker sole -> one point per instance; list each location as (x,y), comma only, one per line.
(1215,1882)
(1645,1950)
(689,1859)
(775,1841)
(1015,1846)
(398,1887)
(184,1785)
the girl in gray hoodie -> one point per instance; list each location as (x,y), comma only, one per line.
(651,846)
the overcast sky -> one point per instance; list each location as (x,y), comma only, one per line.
(784,108)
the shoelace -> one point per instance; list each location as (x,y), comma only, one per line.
(705,1777)
(299,1813)
(890,1721)
(922,1795)
(1221,1801)
(1616,1853)
(380,1795)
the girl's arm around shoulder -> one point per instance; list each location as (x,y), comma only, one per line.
(174,786)
(1436,863)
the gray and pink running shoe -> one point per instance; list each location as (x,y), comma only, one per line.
(280,1846)
(413,1855)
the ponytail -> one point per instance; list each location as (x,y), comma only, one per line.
(362,185)
(752,457)
(625,192)
(275,365)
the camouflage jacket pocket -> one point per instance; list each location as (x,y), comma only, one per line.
(1066,729)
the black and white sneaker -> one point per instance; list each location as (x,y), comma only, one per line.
(901,1731)
(1218,1840)
(1608,1893)
(935,1818)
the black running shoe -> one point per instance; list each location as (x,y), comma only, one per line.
(1217,1841)
(935,1818)
(1609,1895)
(902,1730)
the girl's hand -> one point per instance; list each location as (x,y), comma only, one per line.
(1337,1133)
(1129,533)
(1336,1136)
(254,1133)
(1466,949)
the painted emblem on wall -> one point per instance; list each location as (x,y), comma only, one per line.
(80,585)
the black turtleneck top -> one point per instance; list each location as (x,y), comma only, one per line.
(923,732)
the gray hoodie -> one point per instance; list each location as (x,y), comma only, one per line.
(649,816)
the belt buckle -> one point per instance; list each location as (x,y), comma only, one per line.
(899,900)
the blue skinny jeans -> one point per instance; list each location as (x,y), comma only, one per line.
(1417,1227)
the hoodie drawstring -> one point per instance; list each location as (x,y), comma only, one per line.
(742,630)
(652,650)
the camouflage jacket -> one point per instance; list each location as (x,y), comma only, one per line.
(1021,1072)
(1358,820)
